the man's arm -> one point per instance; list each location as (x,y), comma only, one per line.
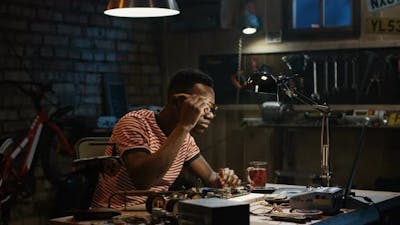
(225,177)
(146,169)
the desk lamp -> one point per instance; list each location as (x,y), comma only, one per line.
(264,82)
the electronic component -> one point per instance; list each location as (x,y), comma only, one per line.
(294,219)
(213,211)
(263,190)
(94,214)
(327,199)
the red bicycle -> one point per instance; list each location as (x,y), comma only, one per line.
(17,158)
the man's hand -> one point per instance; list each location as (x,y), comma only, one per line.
(192,108)
(227,178)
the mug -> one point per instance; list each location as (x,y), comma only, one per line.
(257,173)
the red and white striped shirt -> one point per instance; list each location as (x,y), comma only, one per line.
(138,130)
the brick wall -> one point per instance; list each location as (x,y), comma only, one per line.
(73,45)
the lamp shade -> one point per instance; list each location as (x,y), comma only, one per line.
(251,23)
(142,8)
(262,81)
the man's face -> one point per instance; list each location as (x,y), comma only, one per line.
(207,116)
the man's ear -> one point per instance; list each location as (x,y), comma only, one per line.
(176,100)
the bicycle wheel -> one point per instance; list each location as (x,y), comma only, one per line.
(15,184)
(57,164)
(5,168)
(68,185)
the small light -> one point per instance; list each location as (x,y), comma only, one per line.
(249,30)
(250,23)
(141,12)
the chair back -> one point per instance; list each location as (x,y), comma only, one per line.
(88,147)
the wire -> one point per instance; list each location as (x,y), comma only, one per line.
(356,161)
(239,68)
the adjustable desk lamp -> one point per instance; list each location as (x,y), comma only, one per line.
(269,83)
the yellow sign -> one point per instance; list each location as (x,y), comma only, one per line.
(383,25)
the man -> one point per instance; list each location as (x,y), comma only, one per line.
(153,147)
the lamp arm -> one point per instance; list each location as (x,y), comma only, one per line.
(325,110)
(292,93)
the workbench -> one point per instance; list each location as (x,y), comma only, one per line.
(386,208)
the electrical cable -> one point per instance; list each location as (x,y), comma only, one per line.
(239,68)
(356,162)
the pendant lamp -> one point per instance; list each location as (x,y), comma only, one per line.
(142,8)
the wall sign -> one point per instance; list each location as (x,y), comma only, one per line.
(383,25)
(375,5)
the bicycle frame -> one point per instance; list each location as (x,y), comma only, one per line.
(30,143)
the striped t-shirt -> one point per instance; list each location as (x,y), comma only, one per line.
(139,130)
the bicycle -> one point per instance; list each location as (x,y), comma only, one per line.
(17,159)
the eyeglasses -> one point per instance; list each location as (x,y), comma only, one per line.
(212,106)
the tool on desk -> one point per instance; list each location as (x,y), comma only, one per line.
(326,199)
(310,213)
(94,213)
(290,218)
(276,198)
(276,212)
(263,190)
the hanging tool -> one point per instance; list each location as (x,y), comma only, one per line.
(354,73)
(315,94)
(372,57)
(326,76)
(374,80)
(335,76)
(346,74)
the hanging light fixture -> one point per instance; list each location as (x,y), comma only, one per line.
(142,8)
(251,23)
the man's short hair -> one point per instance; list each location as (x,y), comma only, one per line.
(185,79)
